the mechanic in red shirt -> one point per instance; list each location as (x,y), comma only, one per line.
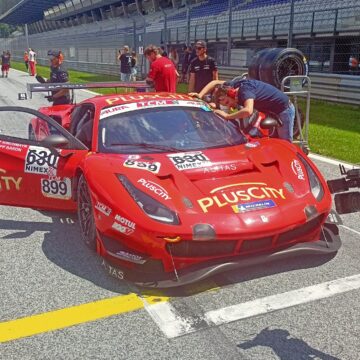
(162,74)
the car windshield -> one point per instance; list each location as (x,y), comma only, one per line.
(165,130)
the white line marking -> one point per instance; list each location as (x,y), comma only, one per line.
(330,161)
(169,322)
(283,301)
(350,229)
(173,325)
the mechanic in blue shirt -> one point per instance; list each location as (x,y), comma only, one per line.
(253,94)
(57,75)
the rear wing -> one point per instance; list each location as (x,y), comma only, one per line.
(139,86)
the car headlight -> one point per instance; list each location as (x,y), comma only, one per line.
(314,182)
(151,207)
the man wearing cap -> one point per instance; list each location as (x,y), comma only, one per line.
(203,68)
(125,64)
(58,75)
(162,70)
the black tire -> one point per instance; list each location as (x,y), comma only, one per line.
(253,69)
(278,63)
(86,214)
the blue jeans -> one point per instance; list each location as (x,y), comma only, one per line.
(125,77)
(287,117)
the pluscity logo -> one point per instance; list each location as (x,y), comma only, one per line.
(241,192)
(297,169)
(156,188)
(8,183)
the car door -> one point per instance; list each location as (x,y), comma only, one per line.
(38,160)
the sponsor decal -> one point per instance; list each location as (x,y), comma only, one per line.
(137,97)
(113,271)
(4,145)
(234,194)
(113,110)
(154,101)
(41,161)
(103,208)
(219,168)
(131,257)
(250,145)
(153,167)
(156,188)
(8,183)
(297,169)
(125,226)
(56,188)
(256,205)
(193,160)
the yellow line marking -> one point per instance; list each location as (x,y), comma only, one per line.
(59,319)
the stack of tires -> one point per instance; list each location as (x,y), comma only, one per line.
(274,64)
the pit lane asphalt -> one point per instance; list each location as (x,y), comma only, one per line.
(44,267)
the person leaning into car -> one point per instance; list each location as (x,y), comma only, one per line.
(252,94)
(58,75)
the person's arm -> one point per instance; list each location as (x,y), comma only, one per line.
(191,82)
(246,111)
(151,75)
(209,88)
(215,75)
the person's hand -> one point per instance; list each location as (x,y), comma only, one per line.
(49,98)
(194,94)
(221,113)
(212,105)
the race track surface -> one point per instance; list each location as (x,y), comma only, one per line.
(58,303)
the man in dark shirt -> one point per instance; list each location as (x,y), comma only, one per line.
(253,94)
(203,68)
(58,75)
(125,64)
(5,63)
(162,70)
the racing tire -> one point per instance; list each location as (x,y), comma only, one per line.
(253,69)
(86,214)
(278,63)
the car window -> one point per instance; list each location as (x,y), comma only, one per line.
(172,128)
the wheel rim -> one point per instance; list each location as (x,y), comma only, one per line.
(86,214)
(289,67)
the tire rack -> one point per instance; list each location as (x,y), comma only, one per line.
(297,84)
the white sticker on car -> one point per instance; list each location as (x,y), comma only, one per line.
(103,208)
(297,169)
(193,160)
(153,167)
(56,188)
(156,188)
(40,160)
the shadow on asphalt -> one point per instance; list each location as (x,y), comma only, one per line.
(63,246)
(285,346)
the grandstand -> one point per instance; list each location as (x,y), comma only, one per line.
(90,31)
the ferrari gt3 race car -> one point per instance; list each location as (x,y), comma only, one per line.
(166,191)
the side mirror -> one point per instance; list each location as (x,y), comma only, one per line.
(270,123)
(55,141)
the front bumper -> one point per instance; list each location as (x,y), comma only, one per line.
(328,244)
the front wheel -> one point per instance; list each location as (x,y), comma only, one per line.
(86,214)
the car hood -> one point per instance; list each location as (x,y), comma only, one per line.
(230,185)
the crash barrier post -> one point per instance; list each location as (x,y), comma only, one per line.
(299,85)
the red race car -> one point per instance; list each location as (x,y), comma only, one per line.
(166,191)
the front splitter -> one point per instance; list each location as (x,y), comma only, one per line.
(329,244)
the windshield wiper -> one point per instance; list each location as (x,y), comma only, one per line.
(148,146)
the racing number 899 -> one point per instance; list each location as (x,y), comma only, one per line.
(54,188)
(153,167)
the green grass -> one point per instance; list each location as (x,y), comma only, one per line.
(334,128)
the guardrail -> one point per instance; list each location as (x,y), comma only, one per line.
(330,87)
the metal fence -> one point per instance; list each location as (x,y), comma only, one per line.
(327,31)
